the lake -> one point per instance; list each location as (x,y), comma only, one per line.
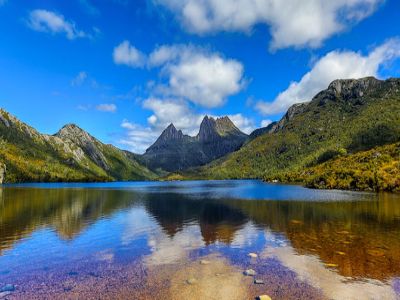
(192,240)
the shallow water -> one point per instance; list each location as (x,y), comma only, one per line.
(180,240)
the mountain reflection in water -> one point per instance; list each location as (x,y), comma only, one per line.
(357,236)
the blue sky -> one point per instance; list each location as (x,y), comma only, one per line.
(125,69)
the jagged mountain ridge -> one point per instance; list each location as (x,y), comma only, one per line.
(71,154)
(174,150)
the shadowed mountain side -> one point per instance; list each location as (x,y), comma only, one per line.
(217,221)
(175,151)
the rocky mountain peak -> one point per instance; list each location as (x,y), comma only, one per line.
(71,131)
(207,129)
(225,126)
(90,145)
(211,128)
(171,133)
(351,88)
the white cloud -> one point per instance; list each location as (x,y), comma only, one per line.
(51,22)
(136,137)
(194,74)
(79,79)
(107,108)
(126,54)
(265,123)
(166,111)
(206,80)
(165,54)
(291,22)
(334,65)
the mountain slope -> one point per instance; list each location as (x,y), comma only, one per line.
(175,151)
(377,169)
(70,155)
(351,116)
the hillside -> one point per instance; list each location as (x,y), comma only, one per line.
(350,116)
(377,169)
(69,155)
(174,151)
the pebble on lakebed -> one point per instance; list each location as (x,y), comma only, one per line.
(250,272)
(4,294)
(204,262)
(258,281)
(263,297)
(191,281)
(253,255)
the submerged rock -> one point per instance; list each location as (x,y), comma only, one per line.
(253,255)
(263,297)
(375,252)
(7,288)
(191,281)
(204,262)
(250,272)
(331,265)
(4,294)
(258,281)
(296,222)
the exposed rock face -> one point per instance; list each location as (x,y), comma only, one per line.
(292,112)
(352,88)
(85,141)
(170,133)
(211,129)
(260,131)
(13,124)
(175,151)
(168,136)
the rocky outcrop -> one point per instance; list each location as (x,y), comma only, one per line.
(213,129)
(352,88)
(85,141)
(14,125)
(168,136)
(264,130)
(293,111)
